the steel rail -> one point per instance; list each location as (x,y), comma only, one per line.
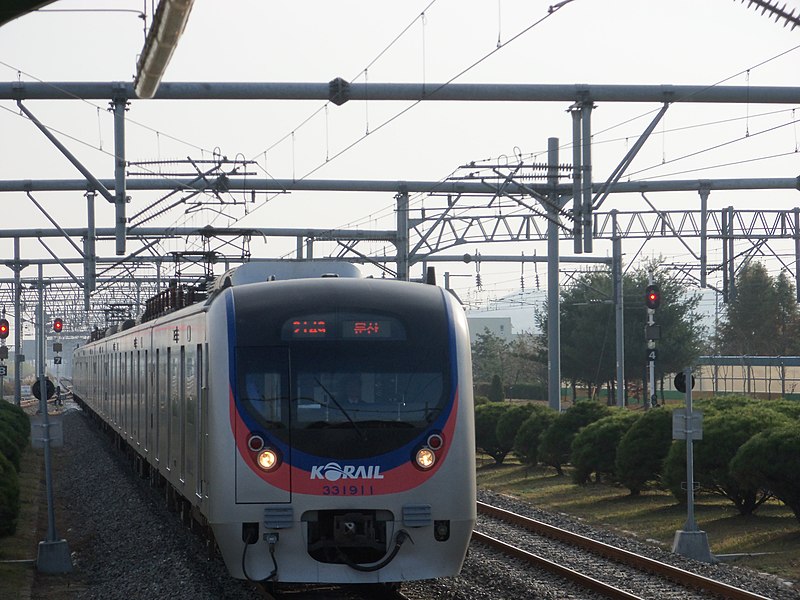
(569,574)
(676,574)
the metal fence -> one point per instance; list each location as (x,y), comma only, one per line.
(761,376)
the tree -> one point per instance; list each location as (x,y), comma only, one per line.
(771,460)
(526,362)
(489,356)
(556,441)
(526,442)
(496,390)
(588,334)
(788,342)
(486,418)
(682,333)
(724,432)
(642,450)
(753,321)
(594,449)
(518,361)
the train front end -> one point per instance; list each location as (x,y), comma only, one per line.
(347,432)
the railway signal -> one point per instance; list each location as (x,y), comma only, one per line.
(652,299)
(58,325)
(5,328)
(652,296)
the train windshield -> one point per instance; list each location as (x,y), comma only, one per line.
(325,399)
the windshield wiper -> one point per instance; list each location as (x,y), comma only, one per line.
(339,406)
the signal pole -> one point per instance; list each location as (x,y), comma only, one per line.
(652,299)
(53,553)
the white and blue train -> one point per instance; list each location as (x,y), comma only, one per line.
(315,423)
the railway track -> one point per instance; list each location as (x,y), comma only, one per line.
(330,592)
(615,573)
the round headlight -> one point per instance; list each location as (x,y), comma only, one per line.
(425,458)
(268,459)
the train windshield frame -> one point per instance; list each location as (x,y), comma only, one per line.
(370,381)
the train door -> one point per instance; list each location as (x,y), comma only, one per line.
(179,414)
(170,388)
(137,399)
(201,381)
(124,401)
(163,413)
(190,419)
(145,376)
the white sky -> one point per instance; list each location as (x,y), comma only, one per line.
(698,42)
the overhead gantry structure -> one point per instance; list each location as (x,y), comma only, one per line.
(458,211)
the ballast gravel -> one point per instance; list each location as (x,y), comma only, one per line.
(126,545)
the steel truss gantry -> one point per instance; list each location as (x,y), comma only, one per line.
(422,233)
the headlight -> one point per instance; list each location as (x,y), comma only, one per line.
(425,458)
(268,459)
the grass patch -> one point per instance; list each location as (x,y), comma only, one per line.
(655,514)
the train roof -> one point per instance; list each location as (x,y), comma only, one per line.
(271,270)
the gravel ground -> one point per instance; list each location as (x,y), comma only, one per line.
(126,545)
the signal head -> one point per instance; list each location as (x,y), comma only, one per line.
(58,325)
(5,328)
(652,296)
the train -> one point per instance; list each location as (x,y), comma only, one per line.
(320,423)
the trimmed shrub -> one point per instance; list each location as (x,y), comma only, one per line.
(594,449)
(526,391)
(17,422)
(9,497)
(642,450)
(556,441)
(9,448)
(724,432)
(486,418)
(526,443)
(509,423)
(771,460)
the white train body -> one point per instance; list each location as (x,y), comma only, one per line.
(241,404)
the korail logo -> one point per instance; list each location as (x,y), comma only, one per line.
(334,472)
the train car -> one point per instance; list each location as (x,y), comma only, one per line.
(322,426)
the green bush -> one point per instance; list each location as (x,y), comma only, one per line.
(509,423)
(526,391)
(17,421)
(9,497)
(9,447)
(486,418)
(771,460)
(478,400)
(594,449)
(724,432)
(642,450)
(526,443)
(556,441)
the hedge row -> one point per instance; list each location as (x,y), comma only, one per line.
(749,453)
(519,391)
(14,435)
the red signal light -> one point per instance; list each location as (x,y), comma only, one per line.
(4,328)
(58,325)
(652,296)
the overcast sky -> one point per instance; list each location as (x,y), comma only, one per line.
(586,41)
